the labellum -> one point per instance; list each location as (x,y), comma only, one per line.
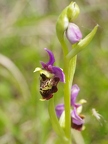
(77,126)
(48,86)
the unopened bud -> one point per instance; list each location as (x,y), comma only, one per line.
(73,33)
(73,11)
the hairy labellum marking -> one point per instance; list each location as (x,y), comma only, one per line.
(48,86)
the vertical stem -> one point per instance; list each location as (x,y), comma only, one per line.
(67,100)
(64,47)
(69,69)
(72,68)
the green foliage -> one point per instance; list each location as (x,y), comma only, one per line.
(26,27)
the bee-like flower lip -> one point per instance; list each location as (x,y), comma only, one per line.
(48,86)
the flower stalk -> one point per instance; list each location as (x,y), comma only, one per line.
(67,101)
(69,74)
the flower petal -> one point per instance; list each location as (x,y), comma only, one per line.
(62,120)
(76,119)
(59,109)
(51,61)
(43,65)
(58,73)
(51,57)
(37,69)
(74,92)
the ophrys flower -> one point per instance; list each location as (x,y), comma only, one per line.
(50,76)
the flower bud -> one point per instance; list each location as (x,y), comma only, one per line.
(83,43)
(69,14)
(73,33)
(73,11)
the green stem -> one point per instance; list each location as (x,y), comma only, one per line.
(67,100)
(55,122)
(72,68)
(64,47)
(69,69)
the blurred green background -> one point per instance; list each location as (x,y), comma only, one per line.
(26,27)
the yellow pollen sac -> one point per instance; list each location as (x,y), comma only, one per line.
(79,109)
(82,101)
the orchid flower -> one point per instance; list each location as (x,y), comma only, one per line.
(77,120)
(50,76)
